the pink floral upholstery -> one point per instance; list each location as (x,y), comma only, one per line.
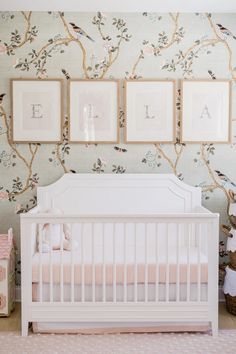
(2,273)
(5,246)
(3,301)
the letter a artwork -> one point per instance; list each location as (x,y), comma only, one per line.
(205,113)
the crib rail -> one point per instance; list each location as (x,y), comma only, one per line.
(142,268)
(153,260)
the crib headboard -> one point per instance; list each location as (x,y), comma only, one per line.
(109,194)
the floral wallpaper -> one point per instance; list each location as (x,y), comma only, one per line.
(113,45)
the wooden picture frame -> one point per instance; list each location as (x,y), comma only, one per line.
(36,110)
(206,111)
(93,111)
(150,111)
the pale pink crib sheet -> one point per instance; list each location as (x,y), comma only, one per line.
(120,269)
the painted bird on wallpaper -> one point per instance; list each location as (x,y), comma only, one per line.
(1,97)
(79,31)
(212,75)
(224,178)
(225,31)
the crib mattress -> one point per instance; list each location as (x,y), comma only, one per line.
(154,270)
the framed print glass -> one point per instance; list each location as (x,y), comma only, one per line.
(93,111)
(206,111)
(150,111)
(36,110)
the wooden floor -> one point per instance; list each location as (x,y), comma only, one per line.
(12,323)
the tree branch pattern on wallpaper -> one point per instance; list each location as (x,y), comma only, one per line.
(97,46)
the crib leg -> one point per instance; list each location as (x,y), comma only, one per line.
(214,328)
(24,325)
(24,329)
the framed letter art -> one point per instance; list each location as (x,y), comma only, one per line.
(206,111)
(150,111)
(36,110)
(93,111)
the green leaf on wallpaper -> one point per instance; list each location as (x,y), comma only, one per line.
(165,66)
(118,169)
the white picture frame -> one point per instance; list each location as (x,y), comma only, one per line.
(37,109)
(93,111)
(150,111)
(206,111)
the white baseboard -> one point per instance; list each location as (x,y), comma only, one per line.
(221,294)
(18,294)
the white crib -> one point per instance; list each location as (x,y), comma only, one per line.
(147,253)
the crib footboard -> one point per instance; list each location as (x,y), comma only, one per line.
(145,269)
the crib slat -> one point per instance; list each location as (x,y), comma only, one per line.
(62,265)
(40,226)
(103,267)
(198,235)
(157,262)
(93,266)
(114,261)
(207,244)
(72,279)
(125,264)
(177,265)
(167,263)
(135,265)
(51,263)
(146,266)
(189,229)
(82,262)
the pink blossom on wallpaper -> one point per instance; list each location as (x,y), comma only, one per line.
(15,62)
(107,46)
(2,273)
(18,208)
(42,74)
(148,49)
(3,49)
(3,195)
